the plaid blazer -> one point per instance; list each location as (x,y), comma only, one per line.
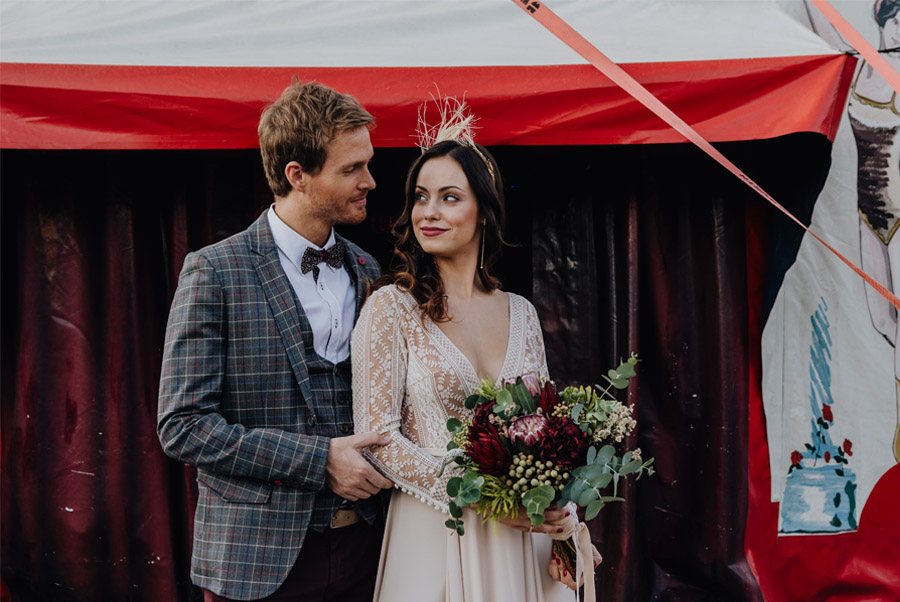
(236,401)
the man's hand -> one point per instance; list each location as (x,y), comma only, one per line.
(348,473)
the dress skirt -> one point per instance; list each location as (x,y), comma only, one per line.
(424,561)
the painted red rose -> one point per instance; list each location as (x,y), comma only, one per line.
(848,447)
(828,456)
(796,457)
(826,412)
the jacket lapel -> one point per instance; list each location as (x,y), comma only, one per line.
(357,274)
(289,316)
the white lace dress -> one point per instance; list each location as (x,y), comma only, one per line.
(408,379)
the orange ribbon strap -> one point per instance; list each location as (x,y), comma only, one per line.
(573,39)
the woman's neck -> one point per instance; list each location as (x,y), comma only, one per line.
(459,276)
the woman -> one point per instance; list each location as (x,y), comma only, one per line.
(875,117)
(422,344)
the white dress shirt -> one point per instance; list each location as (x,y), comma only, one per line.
(330,303)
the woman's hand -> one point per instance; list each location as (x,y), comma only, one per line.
(556,520)
(559,572)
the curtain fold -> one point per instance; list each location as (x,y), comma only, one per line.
(621,249)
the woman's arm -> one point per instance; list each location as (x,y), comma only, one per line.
(379,352)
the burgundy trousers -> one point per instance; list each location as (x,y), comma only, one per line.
(337,565)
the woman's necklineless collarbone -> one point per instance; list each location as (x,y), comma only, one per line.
(481,333)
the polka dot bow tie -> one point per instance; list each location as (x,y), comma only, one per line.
(333,256)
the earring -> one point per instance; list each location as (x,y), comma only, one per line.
(483,232)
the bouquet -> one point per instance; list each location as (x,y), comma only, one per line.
(528,445)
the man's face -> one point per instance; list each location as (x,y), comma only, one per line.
(337,193)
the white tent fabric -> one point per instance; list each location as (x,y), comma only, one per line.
(388,33)
(141,75)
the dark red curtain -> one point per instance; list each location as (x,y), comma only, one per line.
(621,248)
(644,249)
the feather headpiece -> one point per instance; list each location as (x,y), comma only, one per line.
(456,124)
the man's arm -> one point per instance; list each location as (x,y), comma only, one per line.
(190,425)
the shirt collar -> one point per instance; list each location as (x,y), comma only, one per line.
(289,241)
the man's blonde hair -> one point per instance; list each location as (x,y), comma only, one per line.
(300,124)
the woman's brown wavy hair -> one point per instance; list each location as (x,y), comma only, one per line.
(413,270)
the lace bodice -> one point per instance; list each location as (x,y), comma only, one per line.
(409,378)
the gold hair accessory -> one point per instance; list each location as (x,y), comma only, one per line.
(455,124)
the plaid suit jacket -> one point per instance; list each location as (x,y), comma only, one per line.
(236,401)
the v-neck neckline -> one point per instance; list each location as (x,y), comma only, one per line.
(465,362)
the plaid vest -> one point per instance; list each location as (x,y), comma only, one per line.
(331,386)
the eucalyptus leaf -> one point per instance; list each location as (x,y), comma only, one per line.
(576,411)
(453,486)
(591,454)
(626,369)
(522,397)
(536,500)
(587,498)
(606,499)
(592,510)
(632,466)
(454,424)
(472,401)
(505,405)
(455,510)
(605,454)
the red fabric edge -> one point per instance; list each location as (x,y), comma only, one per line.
(46,106)
(844,567)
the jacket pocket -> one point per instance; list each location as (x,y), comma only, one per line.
(237,489)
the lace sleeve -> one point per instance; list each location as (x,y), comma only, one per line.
(535,354)
(379,355)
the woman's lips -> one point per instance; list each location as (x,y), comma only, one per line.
(432,231)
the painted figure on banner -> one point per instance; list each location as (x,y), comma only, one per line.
(875,117)
(833,421)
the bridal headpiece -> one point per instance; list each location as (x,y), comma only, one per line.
(456,124)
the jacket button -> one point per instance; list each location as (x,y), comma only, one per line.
(345,428)
(311,421)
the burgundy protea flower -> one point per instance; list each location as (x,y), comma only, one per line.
(796,457)
(826,412)
(532,383)
(848,447)
(487,450)
(549,398)
(527,429)
(564,443)
(483,413)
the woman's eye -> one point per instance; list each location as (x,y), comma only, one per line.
(451,198)
(419,198)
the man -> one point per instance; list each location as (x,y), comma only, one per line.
(255,385)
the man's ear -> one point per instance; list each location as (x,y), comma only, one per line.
(296,175)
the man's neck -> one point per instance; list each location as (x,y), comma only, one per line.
(313,229)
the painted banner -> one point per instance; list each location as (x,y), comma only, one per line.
(831,368)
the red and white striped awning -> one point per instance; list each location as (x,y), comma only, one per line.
(190,75)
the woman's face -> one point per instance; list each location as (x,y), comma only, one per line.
(445,215)
(891,32)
